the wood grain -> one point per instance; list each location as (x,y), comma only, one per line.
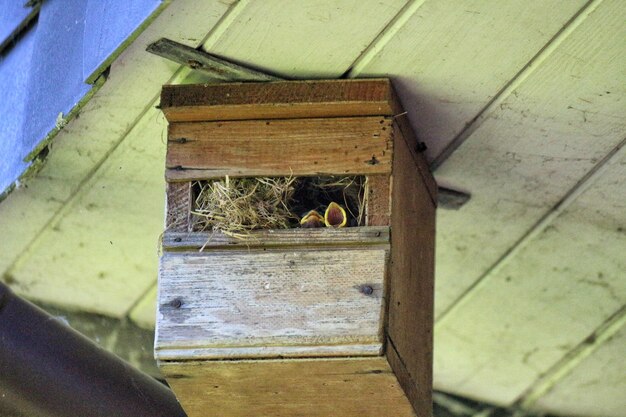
(354,387)
(378,206)
(279,100)
(178,196)
(356,145)
(411,283)
(367,235)
(255,298)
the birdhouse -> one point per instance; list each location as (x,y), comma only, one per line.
(289,320)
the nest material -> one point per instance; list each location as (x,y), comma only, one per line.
(236,206)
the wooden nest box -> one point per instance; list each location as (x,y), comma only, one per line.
(298,322)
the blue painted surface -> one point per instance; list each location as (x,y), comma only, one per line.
(13,87)
(44,74)
(108,24)
(56,77)
(12,13)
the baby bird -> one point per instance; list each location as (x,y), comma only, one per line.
(335,216)
(312,219)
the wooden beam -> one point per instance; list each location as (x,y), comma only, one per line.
(297,147)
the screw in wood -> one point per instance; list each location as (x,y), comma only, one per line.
(176,303)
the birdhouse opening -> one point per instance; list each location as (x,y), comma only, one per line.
(239,205)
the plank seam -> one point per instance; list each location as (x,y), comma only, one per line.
(379,42)
(223,24)
(517,80)
(178,75)
(613,157)
(546,382)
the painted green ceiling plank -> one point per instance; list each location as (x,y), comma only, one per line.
(83,147)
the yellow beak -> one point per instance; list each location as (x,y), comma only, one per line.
(335,216)
(312,219)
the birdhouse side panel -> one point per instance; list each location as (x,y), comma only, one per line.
(411,277)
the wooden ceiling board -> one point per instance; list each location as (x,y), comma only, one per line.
(144,313)
(313,39)
(546,300)
(523,159)
(109,232)
(449,60)
(596,387)
(83,146)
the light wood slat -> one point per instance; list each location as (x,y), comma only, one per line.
(304,40)
(279,100)
(595,387)
(278,298)
(450,61)
(302,147)
(355,387)
(412,276)
(367,235)
(557,290)
(178,196)
(553,129)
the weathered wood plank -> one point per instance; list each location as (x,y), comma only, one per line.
(378,206)
(367,235)
(279,100)
(255,298)
(411,275)
(217,68)
(354,387)
(178,196)
(353,145)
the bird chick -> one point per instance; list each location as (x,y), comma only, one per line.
(312,219)
(335,216)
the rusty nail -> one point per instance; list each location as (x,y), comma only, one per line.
(176,303)
(373,161)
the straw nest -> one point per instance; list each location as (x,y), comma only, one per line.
(237,206)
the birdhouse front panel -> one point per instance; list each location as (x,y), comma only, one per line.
(298,252)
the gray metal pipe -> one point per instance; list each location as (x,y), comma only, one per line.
(49,369)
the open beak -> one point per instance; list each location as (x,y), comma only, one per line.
(312,219)
(335,216)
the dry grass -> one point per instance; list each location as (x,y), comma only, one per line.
(237,206)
